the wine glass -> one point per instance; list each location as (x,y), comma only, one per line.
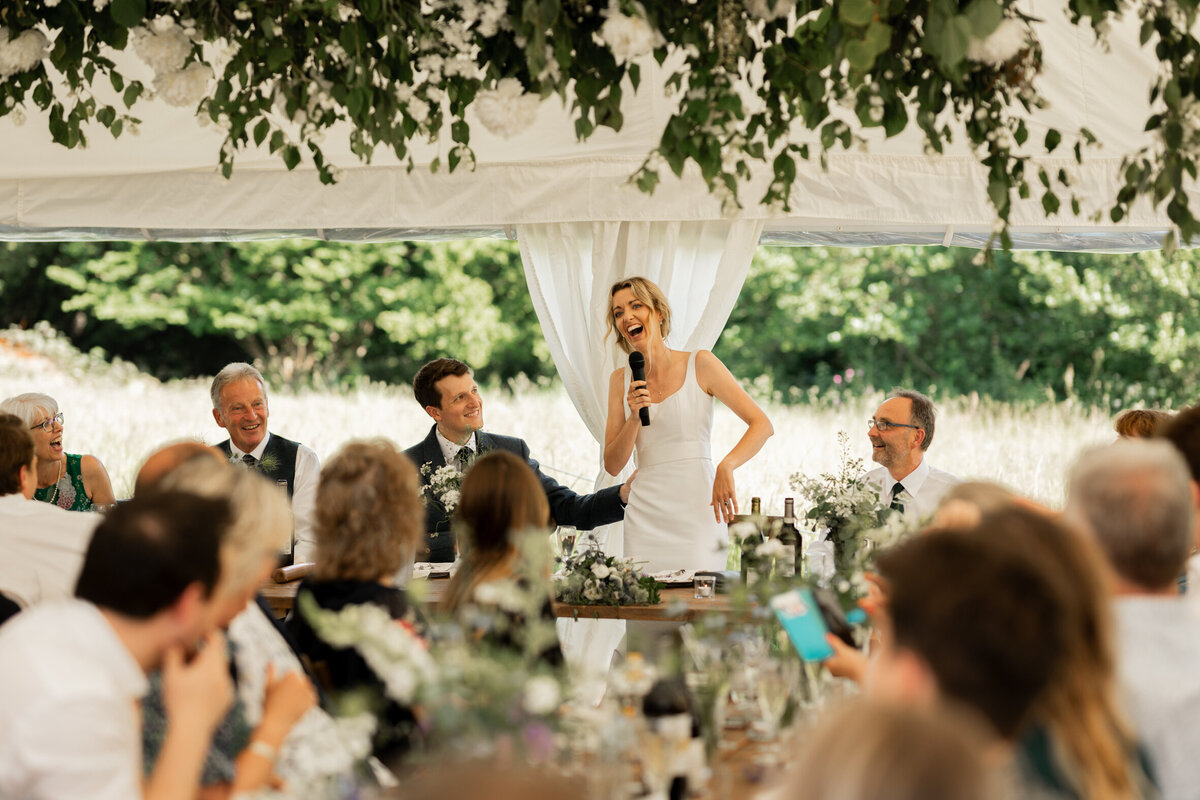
(775,681)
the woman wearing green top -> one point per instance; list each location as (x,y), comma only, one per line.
(70,481)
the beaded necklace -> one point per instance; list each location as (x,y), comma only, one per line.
(54,496)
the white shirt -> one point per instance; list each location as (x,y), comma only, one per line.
(450,449)
(41,549)
(69,726)
(304,495)
(924,488)
(1158,650)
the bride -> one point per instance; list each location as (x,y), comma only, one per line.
(666,523)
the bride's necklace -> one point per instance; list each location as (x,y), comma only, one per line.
(54,496)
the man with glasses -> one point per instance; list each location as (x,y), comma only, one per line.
(900,433)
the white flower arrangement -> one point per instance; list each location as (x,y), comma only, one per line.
(184,88)
(22,53)
(1004,43)
(508,109)
(391,649)
(593,578)
(444,487)
(165,47)
(629,37)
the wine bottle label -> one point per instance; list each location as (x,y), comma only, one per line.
(785,563)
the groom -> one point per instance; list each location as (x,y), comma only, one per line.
(448,393)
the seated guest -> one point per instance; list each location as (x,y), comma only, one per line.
(42,546)
(972,620)
(169,458)
(1141,423)
(239,399)
(501,501)
(966,503)
(72,673)
(368,525)
(1135,498)
(900,433)
(449,395)
(875,751)
(246,742)
(70,481)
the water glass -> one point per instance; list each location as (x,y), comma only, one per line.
(566,541)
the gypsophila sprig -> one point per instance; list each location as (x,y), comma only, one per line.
(444,487)
(593,578)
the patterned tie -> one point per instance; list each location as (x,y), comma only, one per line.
(463,457)
(897,504)
(250,461)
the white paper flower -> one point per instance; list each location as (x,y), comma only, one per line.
(628,37)
(507,110)
(541,695)
(1009,38)
(165,48)
(22,53)
(600,570)
(769,9)
(186,87)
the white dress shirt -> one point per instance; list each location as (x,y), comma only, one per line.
(1158,650)
(923,488)
(450,449)
(41,549)
(69,726)
(304,495)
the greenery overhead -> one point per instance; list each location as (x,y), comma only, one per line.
(753,77)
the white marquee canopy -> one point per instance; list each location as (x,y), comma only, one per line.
(163,183)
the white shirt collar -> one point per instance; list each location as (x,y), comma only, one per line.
(236,453)
(914,480)
(450,449)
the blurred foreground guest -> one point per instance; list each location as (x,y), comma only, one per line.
(900,432)
(170,457)
(873,751)
(70,481)
(1184,434)
(239,400)
(971,620)
(368,525)
(1135,498)
(966,503)
(1141,423)
(41,547)
(268,703)
(502,502)
(1079,743)
(72,673)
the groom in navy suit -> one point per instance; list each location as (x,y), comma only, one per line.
(448,393)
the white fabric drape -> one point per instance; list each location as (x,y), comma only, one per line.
(569,268)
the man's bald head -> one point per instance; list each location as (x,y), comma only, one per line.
(169,458)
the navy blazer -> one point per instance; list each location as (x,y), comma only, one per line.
(585,511)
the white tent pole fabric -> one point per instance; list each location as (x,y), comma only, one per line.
(569,268)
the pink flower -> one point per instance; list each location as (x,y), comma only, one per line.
(837,379)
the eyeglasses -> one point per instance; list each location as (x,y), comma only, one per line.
(49,424)
(884,426)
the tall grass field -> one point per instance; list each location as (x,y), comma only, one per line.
(121,416)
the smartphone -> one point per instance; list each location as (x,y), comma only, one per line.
(800,615)
(835,618)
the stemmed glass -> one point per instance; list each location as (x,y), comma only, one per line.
(776,680)
(566,541)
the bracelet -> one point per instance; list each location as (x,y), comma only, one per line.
(261,748)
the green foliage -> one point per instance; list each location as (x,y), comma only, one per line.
(1107,329)
(313,309)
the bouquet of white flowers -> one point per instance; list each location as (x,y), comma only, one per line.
(593,578)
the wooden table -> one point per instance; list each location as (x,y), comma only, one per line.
(678,604)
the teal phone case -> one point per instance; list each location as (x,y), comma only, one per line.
(801,618)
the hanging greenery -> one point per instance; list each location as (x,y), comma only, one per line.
(757,81)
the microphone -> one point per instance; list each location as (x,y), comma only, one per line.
(637,364)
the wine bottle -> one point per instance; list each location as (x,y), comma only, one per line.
(756,506)
(789,536)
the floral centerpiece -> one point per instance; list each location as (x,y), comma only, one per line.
(444,486)
(846,507)
(593,578)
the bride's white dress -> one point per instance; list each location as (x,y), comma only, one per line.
(669,523)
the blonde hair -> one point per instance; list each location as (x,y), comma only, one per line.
(262,517)
(26,406)
(871,751)
(649,293)
(501,498)
(369,516)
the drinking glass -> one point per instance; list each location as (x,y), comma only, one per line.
(566,541)
(775,682)
(704,587)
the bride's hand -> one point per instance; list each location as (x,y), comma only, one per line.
(724,497)
(638,397)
